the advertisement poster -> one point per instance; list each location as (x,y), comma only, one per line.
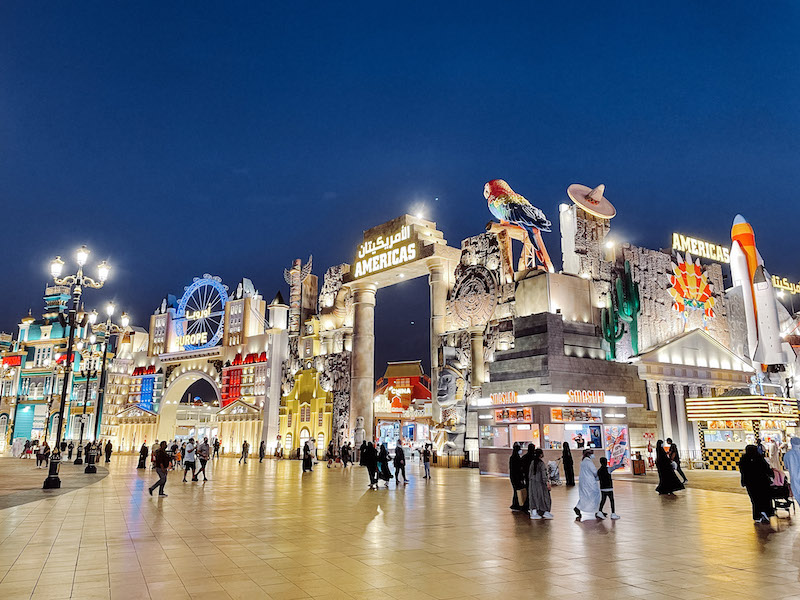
(617,447)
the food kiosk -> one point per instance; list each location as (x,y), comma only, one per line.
(584,418)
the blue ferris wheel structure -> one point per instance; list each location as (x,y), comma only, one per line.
(201,312)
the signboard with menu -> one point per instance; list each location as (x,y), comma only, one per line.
(513,415)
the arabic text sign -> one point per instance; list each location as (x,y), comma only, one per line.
(782,283)
(385,252)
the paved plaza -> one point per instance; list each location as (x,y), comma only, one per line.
(267,531)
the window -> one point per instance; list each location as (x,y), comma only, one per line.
(319,422)
(42,356)
(304,437)
(288,442)
(321,442)
(305,413)
(289,424)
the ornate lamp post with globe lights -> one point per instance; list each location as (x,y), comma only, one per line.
(108,329)
(87,374)
(71,320)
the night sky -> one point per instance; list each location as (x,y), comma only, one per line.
(177,138)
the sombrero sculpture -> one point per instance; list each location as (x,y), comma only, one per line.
(592,200)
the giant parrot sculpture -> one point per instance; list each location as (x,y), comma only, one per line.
(513,209)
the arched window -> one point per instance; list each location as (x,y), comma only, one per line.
(304,437)
(321,442)
(3,426)
(288,443)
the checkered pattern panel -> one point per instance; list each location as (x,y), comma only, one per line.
(722,459)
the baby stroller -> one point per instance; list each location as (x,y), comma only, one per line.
(553,474)
(781,493)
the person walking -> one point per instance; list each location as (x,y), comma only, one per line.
(245,451)
(791,460)
(308,464)
(153,449)
(331,454)
(216,448)
(262,451)
(70,448)
(517,479)
(426,461)
(143,452)
(566,460)
(203,454)
(361,452)
(756,479)
(675,457)
(39,456)
(190,460)
(400,465)
(162,461)
(539,487)
(345,454)
(383,466)
(525,467)
(607,486)
(668,482)
(369,459)
(588,488)
(108,448)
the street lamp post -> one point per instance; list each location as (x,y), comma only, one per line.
(77,282)
(108,328)
(87,374)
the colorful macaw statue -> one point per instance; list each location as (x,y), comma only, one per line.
(512,209)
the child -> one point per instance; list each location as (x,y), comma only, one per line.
(606,486)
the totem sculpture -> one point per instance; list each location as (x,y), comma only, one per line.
(295,278)
(612,329)
(515,212)
(451,432)
(359,435)
(628,305)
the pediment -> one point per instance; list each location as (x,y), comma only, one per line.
(696,348)
(135,411)
(238,407)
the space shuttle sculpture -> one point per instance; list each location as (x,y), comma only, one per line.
(765,345)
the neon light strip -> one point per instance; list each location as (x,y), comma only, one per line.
(552,399)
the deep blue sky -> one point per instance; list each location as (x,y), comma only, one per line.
(181,138)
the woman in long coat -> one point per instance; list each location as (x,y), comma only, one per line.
(757,478)
(307,465)
(539,487)
(516,475)
(143,452)
(383,465)
(566,459)
(668,482)
(588,487)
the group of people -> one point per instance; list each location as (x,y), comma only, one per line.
(764,478)
(186,456)
(376,460)
(531,483)
(43,451)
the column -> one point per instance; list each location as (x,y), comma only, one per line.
(438,295)
(683,424)
(664,405)
(652,395)
(363,358)
(476,348)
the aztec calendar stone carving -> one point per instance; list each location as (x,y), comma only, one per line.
(475,295)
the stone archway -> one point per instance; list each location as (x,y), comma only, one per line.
(176,388)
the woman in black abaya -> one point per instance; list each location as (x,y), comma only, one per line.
(757,479)
(569,469)
(668,482)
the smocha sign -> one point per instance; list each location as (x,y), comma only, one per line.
(385,252)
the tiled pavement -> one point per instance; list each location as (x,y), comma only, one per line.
(266,531)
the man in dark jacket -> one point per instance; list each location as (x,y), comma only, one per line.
(399,465)
(108,449)
(162,460)
(369,458)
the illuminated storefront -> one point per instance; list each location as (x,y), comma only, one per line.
(402,405)
(584,418)
(728,423)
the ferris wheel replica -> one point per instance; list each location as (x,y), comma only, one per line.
(200,318)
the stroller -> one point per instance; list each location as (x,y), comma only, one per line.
(553,474)
(781,493)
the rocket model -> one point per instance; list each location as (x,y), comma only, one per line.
(764,341)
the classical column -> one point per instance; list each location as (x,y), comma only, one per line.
(683,424)
(438,295)
(476,348)
(664,406)
(652,395)
(363,357)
